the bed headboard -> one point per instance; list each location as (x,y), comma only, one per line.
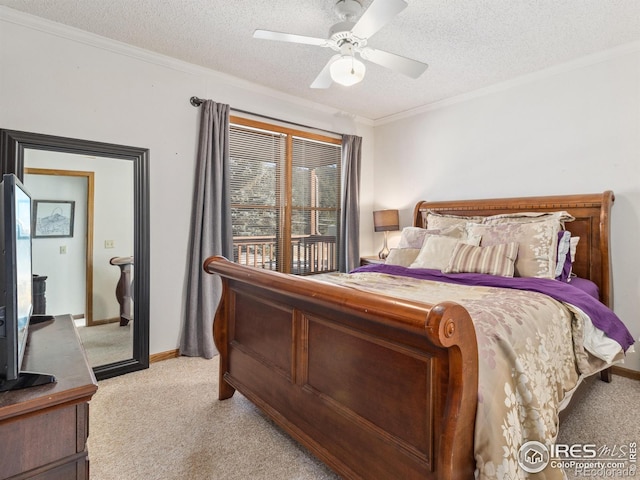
(592,218)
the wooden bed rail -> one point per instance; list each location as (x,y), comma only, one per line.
(390,310)
(374,386)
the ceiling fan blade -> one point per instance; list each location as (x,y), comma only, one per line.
(379,13)
(409,67)
(289,37)
(323,80)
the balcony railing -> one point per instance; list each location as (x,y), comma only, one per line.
(310,254)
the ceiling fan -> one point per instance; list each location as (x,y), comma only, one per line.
(350,39)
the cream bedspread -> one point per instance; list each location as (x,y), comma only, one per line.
(527,363)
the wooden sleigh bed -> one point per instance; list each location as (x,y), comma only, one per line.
(376,387)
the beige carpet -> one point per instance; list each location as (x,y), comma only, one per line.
(606,416)
(107,343)
(165,423)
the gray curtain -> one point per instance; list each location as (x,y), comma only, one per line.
(349,248)
(210,230)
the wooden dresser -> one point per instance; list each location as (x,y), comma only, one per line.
(44,430)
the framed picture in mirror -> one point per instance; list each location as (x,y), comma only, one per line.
(53,218)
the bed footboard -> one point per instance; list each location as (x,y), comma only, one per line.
(375,387)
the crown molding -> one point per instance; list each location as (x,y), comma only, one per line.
(581,62)
(114,46)
(121,48)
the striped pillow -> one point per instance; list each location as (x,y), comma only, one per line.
(492,260)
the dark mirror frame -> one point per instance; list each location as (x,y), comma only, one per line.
(12,146)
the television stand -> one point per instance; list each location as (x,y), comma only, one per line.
(46,427)
(25,380)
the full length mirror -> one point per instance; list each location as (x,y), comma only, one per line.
(91,242)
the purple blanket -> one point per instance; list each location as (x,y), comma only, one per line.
(601,316)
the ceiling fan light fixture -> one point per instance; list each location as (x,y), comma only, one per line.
(347,70)
(348,9)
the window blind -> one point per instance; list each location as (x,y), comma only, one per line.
(256,159)
(315,202)
(285,198)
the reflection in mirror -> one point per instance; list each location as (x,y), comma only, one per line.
(80,278)
(100,272)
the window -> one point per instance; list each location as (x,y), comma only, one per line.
(285,197)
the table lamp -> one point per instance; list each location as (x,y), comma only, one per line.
(385,221)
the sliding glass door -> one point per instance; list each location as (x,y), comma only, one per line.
(285,197)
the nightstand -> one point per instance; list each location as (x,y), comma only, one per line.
(370,260)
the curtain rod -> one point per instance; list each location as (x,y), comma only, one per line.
(196,102)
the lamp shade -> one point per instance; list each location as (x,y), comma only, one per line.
(386,220)
(347,70)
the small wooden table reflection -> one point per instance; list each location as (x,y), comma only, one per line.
(123,288)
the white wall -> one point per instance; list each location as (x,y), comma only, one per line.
(60,81)
(569,130)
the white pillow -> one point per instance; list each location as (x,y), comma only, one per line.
(402,256)
(494,260)
(563,250)
(573,246)
(436,251)
(413,237)
(538,244)
(526,217)
(444,220)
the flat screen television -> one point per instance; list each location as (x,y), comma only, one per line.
(16,285)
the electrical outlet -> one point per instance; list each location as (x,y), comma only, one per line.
(109,244)
(63,249)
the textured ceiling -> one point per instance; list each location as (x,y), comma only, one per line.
(468,44)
